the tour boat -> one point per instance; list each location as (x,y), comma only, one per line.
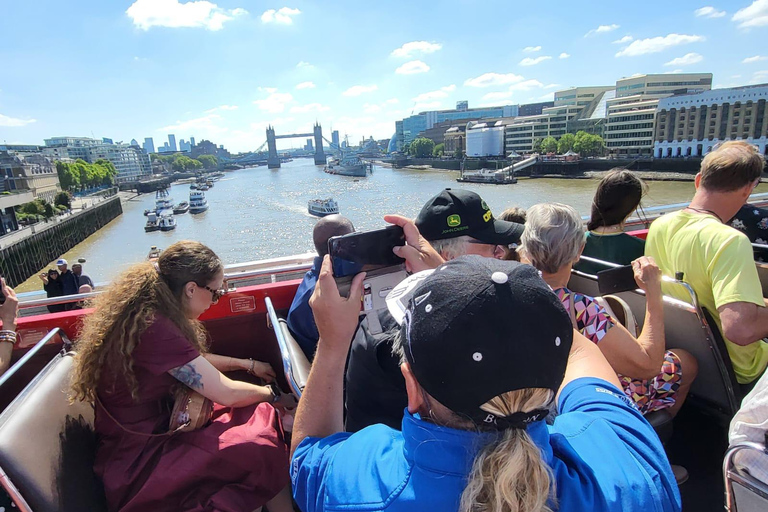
(348,165)
(166,221)
(322,207)
(496,177)
(182,207)
(197,201)
(154,253)
(152,223)
(163,200)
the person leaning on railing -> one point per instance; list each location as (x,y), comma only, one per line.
(9,310)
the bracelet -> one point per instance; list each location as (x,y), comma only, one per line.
(275,393)
(8,336)
(250,370)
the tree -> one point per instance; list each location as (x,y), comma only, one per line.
(208,161)
(422,147)
(566,142)
(32,208)
(458,154)
(68,179)
(537,145)
(439,150)
(549,145)
(407,148)
(63,199)
(588,145)
(48,210)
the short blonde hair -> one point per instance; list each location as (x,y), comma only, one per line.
(553,236)
(731,166)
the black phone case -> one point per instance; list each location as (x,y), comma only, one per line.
(616,280)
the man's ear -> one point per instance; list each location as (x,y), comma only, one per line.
(697,180)
(412,387)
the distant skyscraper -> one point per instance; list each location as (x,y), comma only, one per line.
(149,145)
(185,146)
(335,137)
(106,140)
(309,146)
(172,142)
(134,142)
(191,141)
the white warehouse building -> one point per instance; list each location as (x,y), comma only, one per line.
(485,139)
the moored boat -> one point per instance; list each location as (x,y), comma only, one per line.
(166,222)
(163,200)
(182,207)
(152,223)
(496,177)
(322,207)
(349,165)
(197,202)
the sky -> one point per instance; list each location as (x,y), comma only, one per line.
(225,69)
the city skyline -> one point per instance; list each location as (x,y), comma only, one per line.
(242,66)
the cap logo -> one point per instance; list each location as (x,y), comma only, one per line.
(421,298)
(487,216)
(454,220)
(485,206)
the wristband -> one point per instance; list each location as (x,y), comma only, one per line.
(8,336)
(250,369)
(275,393)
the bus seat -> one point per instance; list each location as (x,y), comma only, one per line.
(300,363)
(47,445)
(762,273)
(295,363)
(743,492)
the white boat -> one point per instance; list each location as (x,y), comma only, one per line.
(197,202)
(497,177)
(166,221)
(152,224)
(163,200)
(348,165)
(322,207)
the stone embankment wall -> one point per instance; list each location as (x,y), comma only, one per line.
(23,259)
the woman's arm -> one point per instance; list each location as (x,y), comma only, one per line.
(233,364)
(641,357)
(8,313)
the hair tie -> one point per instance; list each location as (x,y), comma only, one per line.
(519,420)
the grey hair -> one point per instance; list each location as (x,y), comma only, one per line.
(553,237)
(398,344)
(451,248)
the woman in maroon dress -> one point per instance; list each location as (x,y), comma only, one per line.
(139,344)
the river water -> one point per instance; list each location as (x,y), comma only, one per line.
(259,213)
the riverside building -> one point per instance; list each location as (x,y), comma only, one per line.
(30,171)
(692,124)
(131,162)
(409,128)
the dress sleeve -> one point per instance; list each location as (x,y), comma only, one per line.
(311,466)
(592,319)
(163,347)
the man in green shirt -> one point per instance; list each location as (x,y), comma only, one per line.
(716,259)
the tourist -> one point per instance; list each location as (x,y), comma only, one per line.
(53,288)
(753,221)
(82,279)
(654,378)
(9,311)
(69,284)
(751,424)
(457,222)
(484,347)
(139,345)
(717,260)
(300,319)
(517,215)
(618,195)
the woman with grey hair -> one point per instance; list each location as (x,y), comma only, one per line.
(552,242)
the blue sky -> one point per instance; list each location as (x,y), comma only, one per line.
(224,69)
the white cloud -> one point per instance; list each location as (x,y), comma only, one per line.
(531,49)
(553,86)
(755,15)
(429,105)
(550,96)
(174,14)
(657,44)
(532,62)
(275,102)
(373,108)
(282,16)
(357,90)
(709,12)
(686,60)
(221,107)
(6,121)
(524,85)
(564,55)
(303,64)
(408,49)
(412,67)
(310,107)
(673,72)
(305,85)
(493,80)
(624,40)
(433,95)
(756,58)
(270,90)
(759,77)
(497,95)
(602,29)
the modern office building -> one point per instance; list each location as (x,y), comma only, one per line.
(335,138)
(131,162)
(29,171)
(309,146)
(438,131)
(416,124)
(149,145)
(485,138)
(184,146)
(191,141)
(534,109)
(172,142)
(629,130)
(692,124)
(206,147)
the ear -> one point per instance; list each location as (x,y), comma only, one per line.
(189,289)
(697,180)
(412,387)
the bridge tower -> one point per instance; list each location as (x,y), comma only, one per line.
(273,160)
(319,153)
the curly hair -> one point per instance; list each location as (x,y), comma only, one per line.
(128,307)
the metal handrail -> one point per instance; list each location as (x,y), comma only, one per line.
(283,344)
(29,355)
(727,465)
(286,269)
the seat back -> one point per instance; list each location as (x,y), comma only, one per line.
(686,327)
(295,363)
(743,492)
(47,445)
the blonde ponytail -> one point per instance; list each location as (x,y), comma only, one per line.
(510,475)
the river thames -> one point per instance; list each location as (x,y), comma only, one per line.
(258,213)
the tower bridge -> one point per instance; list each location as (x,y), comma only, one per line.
(273,160)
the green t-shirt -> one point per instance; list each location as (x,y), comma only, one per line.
(618,248)
(717,262)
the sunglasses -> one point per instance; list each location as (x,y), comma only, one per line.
(215,294)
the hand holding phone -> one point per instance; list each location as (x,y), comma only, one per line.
(616,280)
(365,251)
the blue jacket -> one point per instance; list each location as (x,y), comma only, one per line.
(604,456)
(300,319)
(69,282)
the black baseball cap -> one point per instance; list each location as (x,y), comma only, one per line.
(456,212)
(476,328)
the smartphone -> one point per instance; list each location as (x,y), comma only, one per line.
(2,294)
(616,280)
(365,251)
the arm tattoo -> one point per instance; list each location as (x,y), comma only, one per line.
(188,375)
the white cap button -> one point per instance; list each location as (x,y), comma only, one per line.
(557,341)
(499,277)
(477,356)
